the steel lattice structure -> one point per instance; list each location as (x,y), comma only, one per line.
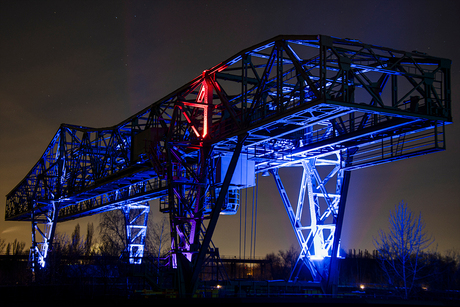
(325,104)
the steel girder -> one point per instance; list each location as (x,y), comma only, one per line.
(284,101)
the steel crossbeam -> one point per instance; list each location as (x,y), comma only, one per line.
(288,101)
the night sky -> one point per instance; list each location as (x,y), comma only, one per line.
(96,63)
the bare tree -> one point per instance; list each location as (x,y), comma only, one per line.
(279,266)
(289,258)
(2,245)
(112,233)
(158,237)
(76,242)
(16,248)
(400,250)
(89,240)
(75,245)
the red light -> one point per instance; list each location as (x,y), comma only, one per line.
(202,93)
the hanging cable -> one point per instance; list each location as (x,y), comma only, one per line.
(244,230)
(239,247)
(245,219)
(252,221)
(255,217)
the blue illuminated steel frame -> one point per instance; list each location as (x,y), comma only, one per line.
(309,101)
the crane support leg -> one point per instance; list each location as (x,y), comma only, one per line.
(43,229)
(136,217)
(326,183)
(186,216)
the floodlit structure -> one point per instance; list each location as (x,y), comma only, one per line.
(325,104)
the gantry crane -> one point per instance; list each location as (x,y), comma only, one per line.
(321,103)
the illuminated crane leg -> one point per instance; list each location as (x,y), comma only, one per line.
(324,181)
(43,229)
(295,222)
(136,217)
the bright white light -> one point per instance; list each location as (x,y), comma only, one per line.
(316,257)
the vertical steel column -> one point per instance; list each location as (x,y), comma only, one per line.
(136,217)
(279,77)
(198,261)
(294,218)
(333,277)
(45,214)
(44,226)
(326,43)
(325,182)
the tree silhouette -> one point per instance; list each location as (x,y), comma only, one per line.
(157,241)
(2,245)
(112,233)
(89,240)
(76,244)
(16,248)
(279,266)
(400,250)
